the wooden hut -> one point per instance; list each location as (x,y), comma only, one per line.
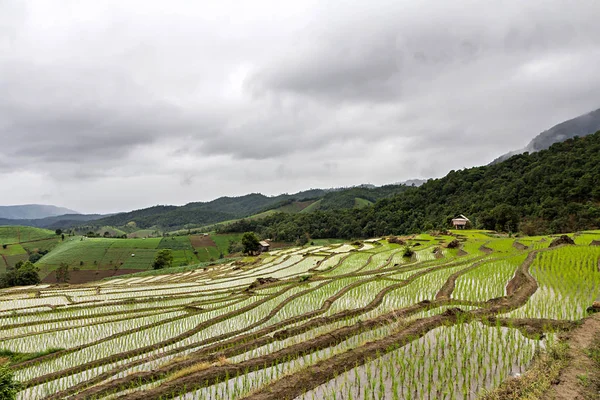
(264,246)
(460,222)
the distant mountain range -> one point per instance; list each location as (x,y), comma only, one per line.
(583,125)
(59,221)
(33,211)
(167,217)
(251,205)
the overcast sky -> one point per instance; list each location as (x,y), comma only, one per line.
(115,105)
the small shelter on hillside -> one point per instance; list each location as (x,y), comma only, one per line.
(264,246)
(460,222)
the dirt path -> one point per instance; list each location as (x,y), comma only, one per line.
(581,370)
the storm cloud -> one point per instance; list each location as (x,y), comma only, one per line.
(114,105)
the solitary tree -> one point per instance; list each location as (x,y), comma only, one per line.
(62,273)
(35,257)
(303,239)
(163,259)
(250,243)
(234,247)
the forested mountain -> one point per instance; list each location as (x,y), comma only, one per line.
(413,182)
(32,211)
(222,209)
(551,191)
(231,208)
(346,199)
(583,125)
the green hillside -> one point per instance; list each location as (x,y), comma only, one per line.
(96,258)
(358,196)
(110,231)
(99,253)
(360,203)
(289,207)
(107,255)
(294,207)
(141,233)
(212,247)
(554,190)
(19,234)
(18,243)
(222,209)
(229,209)
(313,207)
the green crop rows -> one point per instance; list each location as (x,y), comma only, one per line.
(20,234)
(82,253)
(373,323)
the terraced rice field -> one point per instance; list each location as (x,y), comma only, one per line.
(333,322)
(210,248)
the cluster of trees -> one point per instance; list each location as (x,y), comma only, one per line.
(23,274)
(37,255)
(552,191)
(250,243)
(106,234)
(163,259)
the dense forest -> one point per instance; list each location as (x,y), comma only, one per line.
(552,191)
(346,199)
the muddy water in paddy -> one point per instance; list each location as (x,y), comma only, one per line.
(448,363)
(239,386)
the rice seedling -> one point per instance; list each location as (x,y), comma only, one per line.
(152,335)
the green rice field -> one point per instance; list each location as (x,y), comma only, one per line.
(324,321)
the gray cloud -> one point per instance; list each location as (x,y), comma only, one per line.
(115,105)
(392,50)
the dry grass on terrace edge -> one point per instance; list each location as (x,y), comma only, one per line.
(537,380)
